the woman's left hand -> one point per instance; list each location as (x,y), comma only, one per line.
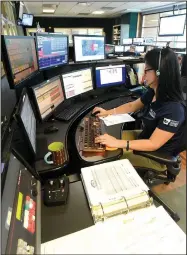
(107,140)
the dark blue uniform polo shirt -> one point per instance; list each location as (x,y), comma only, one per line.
(168,116)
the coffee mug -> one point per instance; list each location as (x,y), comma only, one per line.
(56,149)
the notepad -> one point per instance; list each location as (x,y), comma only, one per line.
(117,119)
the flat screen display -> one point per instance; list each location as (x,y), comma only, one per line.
(52,50)
(126,48)
(138,40)
(27,19)
(77,82)
(127,41)
(48,95)
(89,48)
(119,48)
(21,58)
(140,49)
(110,76)
(109,49)
(172,25)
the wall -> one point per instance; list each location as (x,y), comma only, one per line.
(52,22)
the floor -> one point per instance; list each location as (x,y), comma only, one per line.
(175,193)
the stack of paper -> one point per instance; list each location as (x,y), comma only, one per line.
(117,119)
(155,233)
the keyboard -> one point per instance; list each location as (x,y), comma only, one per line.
(93,127)
(69,111)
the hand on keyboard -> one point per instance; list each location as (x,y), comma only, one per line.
(99,112)
(108,140)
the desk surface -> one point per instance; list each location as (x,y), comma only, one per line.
(66,134)
(63,220)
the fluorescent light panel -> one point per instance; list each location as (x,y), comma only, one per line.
(98,12)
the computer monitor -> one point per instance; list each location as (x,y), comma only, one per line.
(48,96)
(140,69)
(140,49)
(149,47)
(27,122)
(77,82)
(27,19)
(119,48)
(149,41)
(172,25)
(109,49)
(52,50)
(20,58)
(110,76)
(89,47)
(126,48)
(138,40)
(127,41)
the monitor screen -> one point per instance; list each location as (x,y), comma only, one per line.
(139,68)
(148,48)
(110,76)
(25,117)
(127,41)
(52,50)
(48,96)
(109,49)
(138,40)
(149,41)
(27,19)
(172,25)
(140,49)
(126,48)
(89,48)
(77,82)
(119,48)
(21,61)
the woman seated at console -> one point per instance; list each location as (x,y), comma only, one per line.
(164,120)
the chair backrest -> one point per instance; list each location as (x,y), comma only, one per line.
(184,66)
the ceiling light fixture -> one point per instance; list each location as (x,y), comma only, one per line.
(98,12)
(48,10)
(84,3)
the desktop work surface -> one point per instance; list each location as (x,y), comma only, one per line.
(68,133)
(63,220)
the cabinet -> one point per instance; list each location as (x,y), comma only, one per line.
(119,33)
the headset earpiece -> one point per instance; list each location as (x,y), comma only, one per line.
(159,63)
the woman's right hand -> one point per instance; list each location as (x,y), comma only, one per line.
(101,112)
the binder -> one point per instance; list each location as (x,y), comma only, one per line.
(113,189)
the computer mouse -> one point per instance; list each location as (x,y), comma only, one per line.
(50,129)
(95,113)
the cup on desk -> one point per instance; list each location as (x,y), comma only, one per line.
(56,149)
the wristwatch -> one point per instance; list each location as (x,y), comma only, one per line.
(127,147)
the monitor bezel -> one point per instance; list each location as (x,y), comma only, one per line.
(172,34)
(32,19)
(7,63)
(114,84)
(84,61)
(20,123)
(51,35)
(82,69)
(35,100)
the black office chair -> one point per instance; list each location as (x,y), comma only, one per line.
(153,177)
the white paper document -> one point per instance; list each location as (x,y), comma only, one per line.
(156,234)
(108,182)
(117,119)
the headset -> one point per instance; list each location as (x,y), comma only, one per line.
(159,63)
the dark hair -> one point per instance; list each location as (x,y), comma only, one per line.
(169,87)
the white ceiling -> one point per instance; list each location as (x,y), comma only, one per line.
(73,9)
